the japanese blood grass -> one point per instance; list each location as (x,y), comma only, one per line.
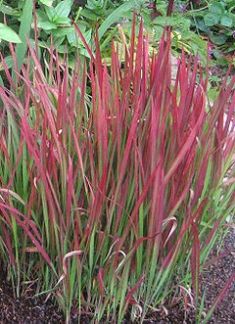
(108,200)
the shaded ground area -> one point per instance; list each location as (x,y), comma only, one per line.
(25,310)
(219,268)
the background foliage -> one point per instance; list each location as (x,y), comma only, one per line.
(192,22)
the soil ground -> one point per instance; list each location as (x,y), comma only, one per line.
(218,269)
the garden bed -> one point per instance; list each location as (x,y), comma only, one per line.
(219,268)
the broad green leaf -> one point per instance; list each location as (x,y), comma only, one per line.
(217,9)
(226,21)
(50,11)
(8,61)
(89,14)
(47,3)
(63,8)
(74,40)
(173,21)
(202,26)
(6,10)
(210,19)
(59,32)
(9,35)
(46,25)
(61,21)
(25,26)
(72,37)
(57,41)
(95,4)
(44,21)
(116,15)
(218,39)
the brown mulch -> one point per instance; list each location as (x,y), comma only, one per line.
(219,268)
(25,310)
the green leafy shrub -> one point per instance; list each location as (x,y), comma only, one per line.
(54,21)
(218,22)
(188,23)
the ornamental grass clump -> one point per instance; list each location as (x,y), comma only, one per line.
(114,180)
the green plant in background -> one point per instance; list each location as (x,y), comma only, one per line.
(54,22)
(217,21)
(55,26)
(214,21)
(194,23)
(7,34)
(182,35)
(190,20)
